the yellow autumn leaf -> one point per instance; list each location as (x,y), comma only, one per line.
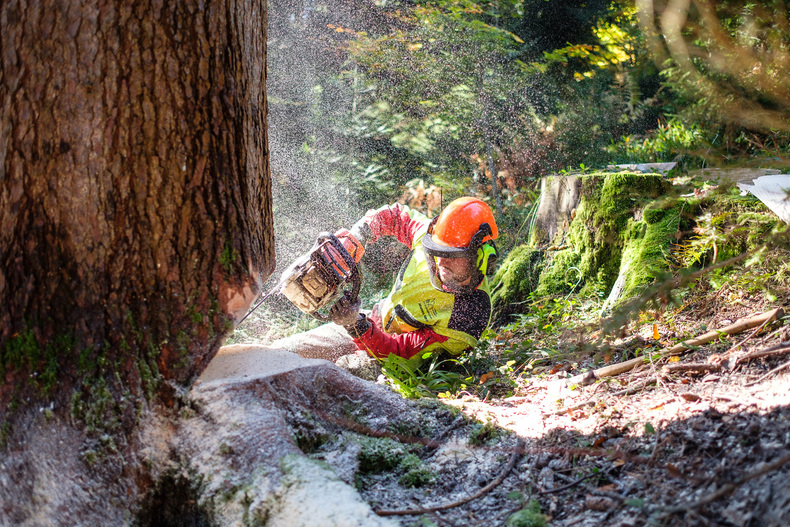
(656,336)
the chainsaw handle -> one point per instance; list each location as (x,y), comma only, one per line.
(356,285)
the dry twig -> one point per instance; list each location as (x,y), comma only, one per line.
(775,370)
(727,488)
(594,400)
(518,450)
(691,367)
(779,349)
(569,485)
(740,325)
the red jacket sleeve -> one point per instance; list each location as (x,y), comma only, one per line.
(407,345)
(395,220)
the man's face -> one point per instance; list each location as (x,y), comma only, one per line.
(454,272)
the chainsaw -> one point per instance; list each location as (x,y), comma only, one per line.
(319,277)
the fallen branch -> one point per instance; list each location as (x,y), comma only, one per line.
(703,367)
(784,347)
(518,450)
(569,485)
(622,367)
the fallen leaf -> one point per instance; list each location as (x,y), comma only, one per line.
(656,336)
(662,404)
(486,376)
(598,503)
(674,471)
(690,397)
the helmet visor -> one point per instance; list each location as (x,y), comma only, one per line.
(452,269)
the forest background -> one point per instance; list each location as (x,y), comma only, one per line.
(424,101)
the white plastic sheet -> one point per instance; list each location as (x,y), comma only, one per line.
(774,191)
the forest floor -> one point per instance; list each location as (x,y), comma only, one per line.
(708,446)
(700,447)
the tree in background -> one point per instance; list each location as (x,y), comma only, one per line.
(135,199)
(728,65)
(465,91)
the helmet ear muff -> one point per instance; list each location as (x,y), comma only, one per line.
(486,258)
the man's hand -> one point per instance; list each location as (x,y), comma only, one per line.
(345,312)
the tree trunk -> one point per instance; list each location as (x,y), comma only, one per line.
(135,199)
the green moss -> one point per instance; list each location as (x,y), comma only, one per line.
(595,239)
(5,433)
(515,279)
(529,516)
(622,220)
(379,454)
(194,315)
(24,351)
(483,433)
(416,474)
(228,257)
(310,439)
(96,407)
(646,251)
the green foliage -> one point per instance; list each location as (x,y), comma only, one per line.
(427,380)
(673,140)
(726,225)
(529,516)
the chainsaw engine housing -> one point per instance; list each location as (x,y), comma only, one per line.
(317,279)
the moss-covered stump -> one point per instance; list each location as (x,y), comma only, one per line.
(516,278)
(609,228)
(626,230)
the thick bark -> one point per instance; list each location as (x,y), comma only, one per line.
(135,200)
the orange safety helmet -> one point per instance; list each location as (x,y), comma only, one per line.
(465,229)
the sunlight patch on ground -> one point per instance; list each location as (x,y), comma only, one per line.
(533,415)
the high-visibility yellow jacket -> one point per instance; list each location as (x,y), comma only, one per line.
(416,320)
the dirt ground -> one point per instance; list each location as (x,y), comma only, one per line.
(707,447)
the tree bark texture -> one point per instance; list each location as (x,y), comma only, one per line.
(135,198)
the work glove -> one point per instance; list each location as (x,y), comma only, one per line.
(345,312)
(362,232)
